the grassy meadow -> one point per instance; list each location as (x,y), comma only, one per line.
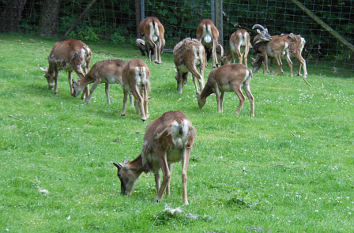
(289,169)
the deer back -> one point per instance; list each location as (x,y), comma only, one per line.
(136,73)
(189,51)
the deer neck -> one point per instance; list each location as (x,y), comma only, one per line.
(137,165)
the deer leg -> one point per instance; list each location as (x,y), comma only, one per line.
(213,53)
(196,75)
(70,79)
(125,92)
(157,181)
(221,100)
(140,101)
(241,97)
(217,94)
(92,90)
(86,92)
(55,81)
(130,99)
(279,64)
(247,89)
(168,187)
(185,160)
(265,70)
(166,174)
(107,93)
(247,49)
(290,63)
(146,102)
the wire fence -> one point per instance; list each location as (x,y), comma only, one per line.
(116,20)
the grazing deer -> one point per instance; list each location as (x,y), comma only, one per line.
(153,32)
(168,139)
(189,54)
(239,40)
(208,35)
(228,78)
(108,72)
(136,80)
(67,55)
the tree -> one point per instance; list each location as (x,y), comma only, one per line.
(11,15)
(48,22)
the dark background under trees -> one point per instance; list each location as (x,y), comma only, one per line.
(115,20)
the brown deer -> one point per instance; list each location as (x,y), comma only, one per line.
(228,78)
(275,48)
(296,45)
(208,35)
(239,40)
(154,36)
(189,54)
(107,71)
(168,139)
(136,80)
(69,55)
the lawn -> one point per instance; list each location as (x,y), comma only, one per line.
(289,169)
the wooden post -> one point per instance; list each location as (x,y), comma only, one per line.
(212,6)
(219,20)
(324,25)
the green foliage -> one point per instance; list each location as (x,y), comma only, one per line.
(84,34)
(117,38)
(289,169)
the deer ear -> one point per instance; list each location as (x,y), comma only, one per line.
(44,69)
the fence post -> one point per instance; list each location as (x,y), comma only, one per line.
(219,20)
(142,13)
(212,5)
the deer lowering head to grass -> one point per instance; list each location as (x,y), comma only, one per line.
(189,54)
(69,55)
(239,46)
(154,38)
(136,80)
(107,71)
(168,139)
(208,35)
(228,78)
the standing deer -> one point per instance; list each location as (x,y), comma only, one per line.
(228,78)
(168,139)
(274,48)
(107,71)
(208,35)
(154,40)
(136,80)
(189,54)
(239,40)
(67,55)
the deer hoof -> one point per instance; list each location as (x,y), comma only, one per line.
(122,114)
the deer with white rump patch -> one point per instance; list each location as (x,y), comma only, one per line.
(69,55)
(168,139)
(208,35)
(228,78)
(239,46)
(189,54)
(136,80)
(107,71)
(154,38)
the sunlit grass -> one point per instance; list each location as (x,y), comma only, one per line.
(289,169)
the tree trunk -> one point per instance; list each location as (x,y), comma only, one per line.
(48,22)
(11,16)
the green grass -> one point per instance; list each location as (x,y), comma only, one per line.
(297,152)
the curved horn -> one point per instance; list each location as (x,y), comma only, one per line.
(258,26)
(118,165)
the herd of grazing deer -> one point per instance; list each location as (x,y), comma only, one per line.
(169,138)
